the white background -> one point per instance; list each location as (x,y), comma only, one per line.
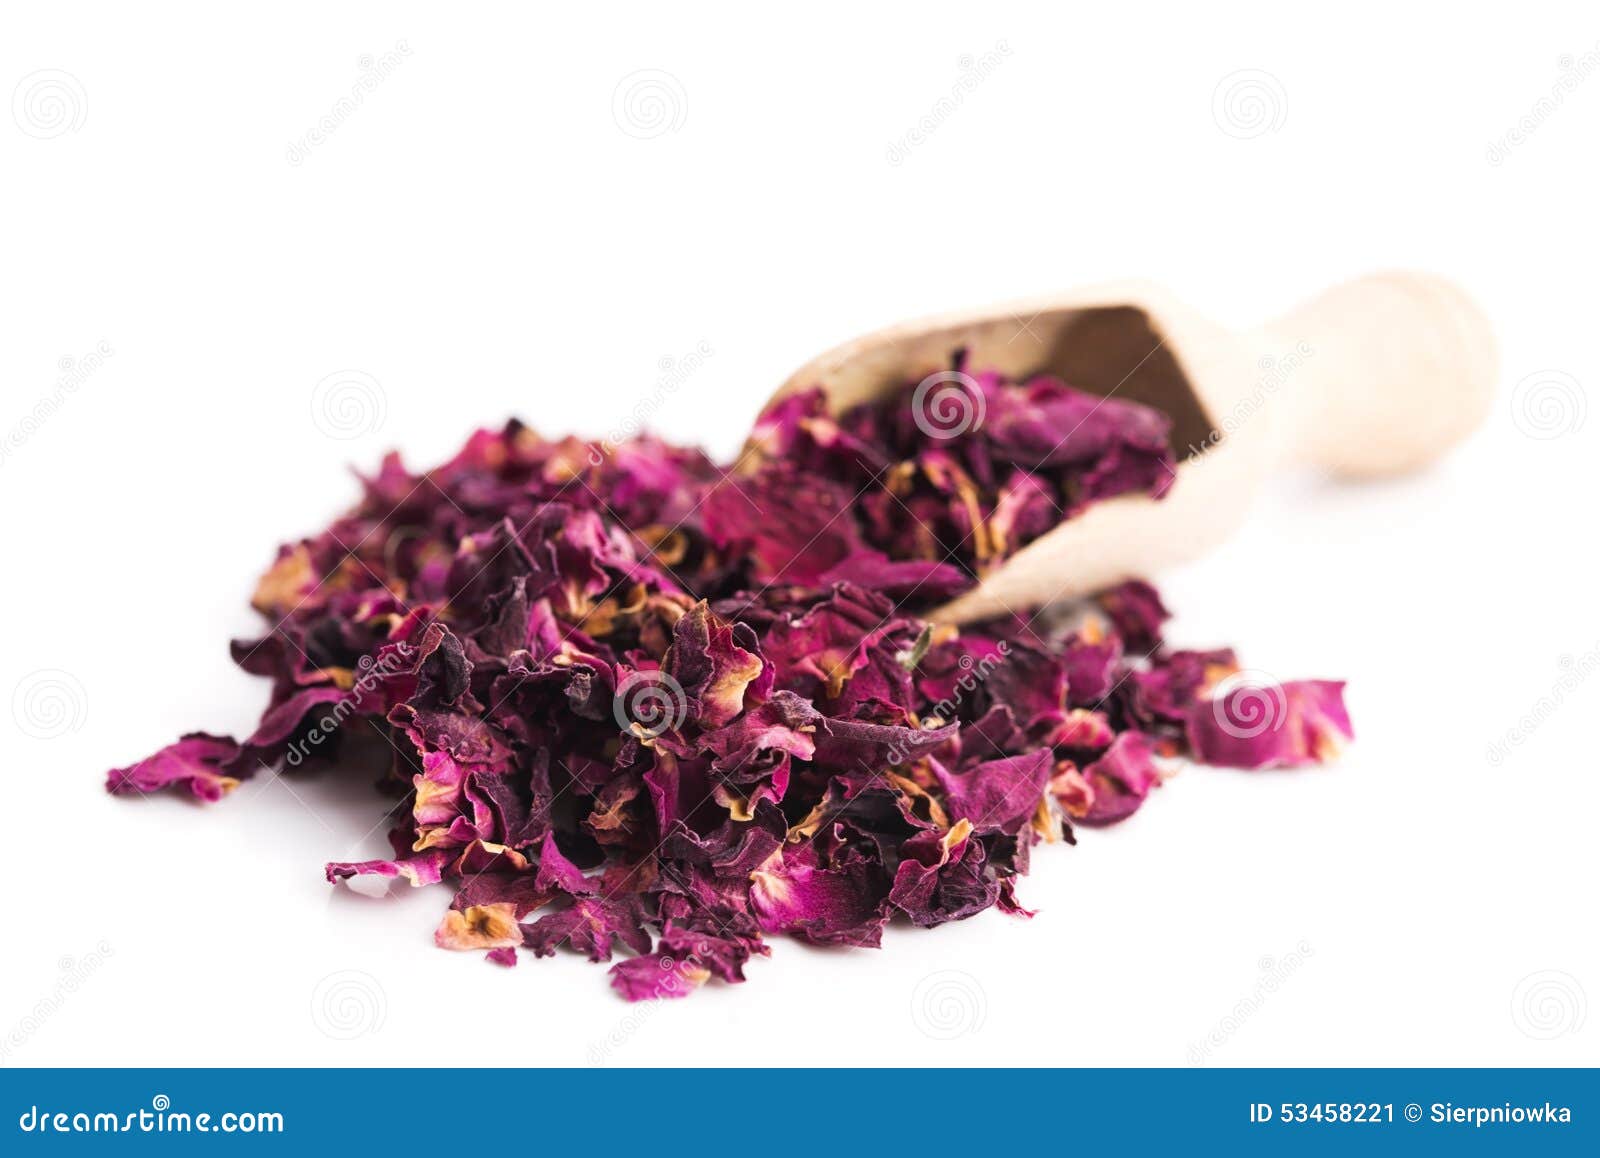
(485,236)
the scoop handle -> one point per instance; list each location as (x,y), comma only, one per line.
(1387,372)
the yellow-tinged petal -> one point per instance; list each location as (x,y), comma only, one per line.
(956,837)
(480,927)
(285,583)
(918,795)
(1045,824)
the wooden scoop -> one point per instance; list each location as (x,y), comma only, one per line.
(1375,377)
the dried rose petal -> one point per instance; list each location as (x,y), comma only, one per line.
(1265,725)
(625,702)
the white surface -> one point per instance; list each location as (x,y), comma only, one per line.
(482,237)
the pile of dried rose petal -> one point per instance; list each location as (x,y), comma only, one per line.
(629,697)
